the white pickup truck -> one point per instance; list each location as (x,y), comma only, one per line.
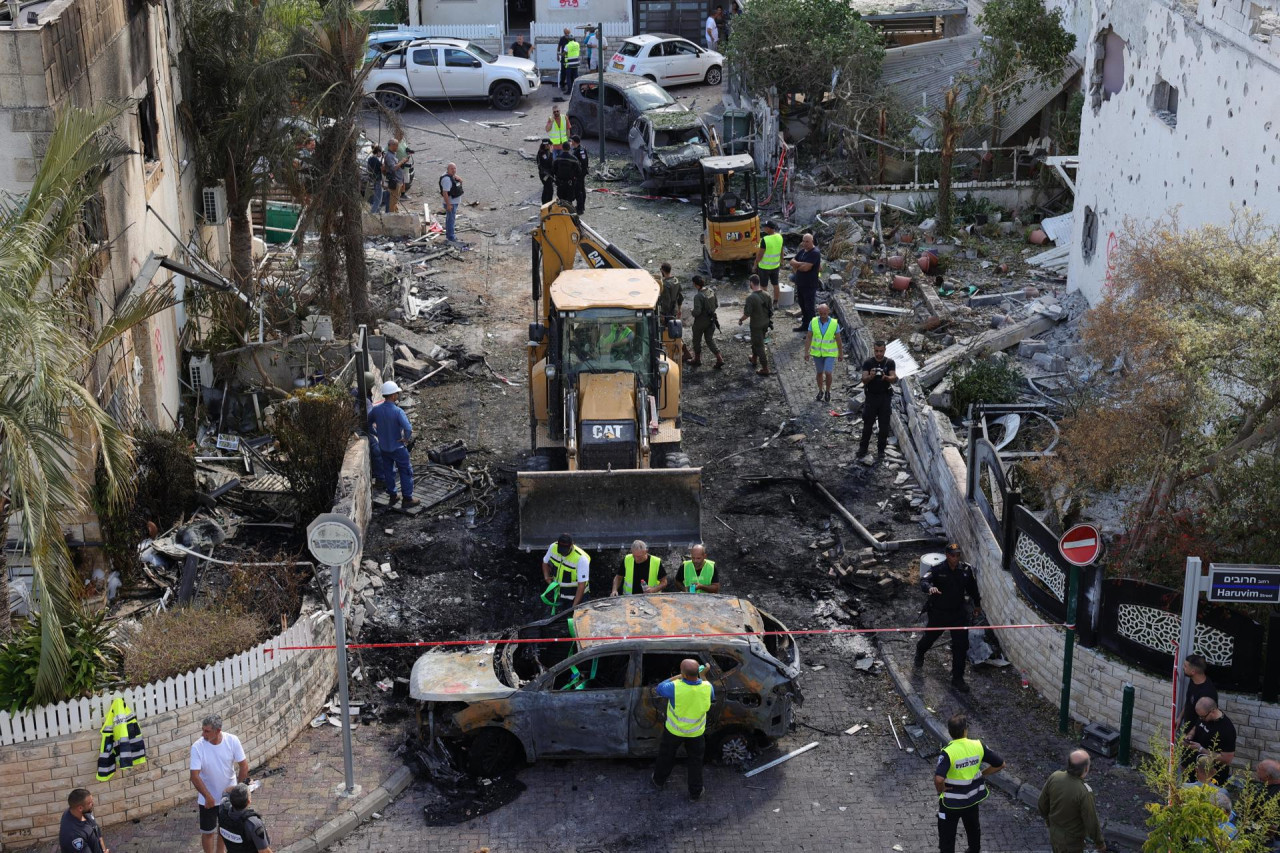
(436,68)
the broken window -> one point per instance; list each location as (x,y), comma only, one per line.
(605,672)
(1089,235)
(659,666)
(93,220)
(727,663)
(149,128)
(1164,102)
(1108,67)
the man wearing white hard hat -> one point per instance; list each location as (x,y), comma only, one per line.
(390,426)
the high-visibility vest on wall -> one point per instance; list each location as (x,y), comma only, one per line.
(559,132)
(121,741)
(772,257)
(687,713)
(629,571)
(567,572)
(965,785)
(692,576)
(823,344)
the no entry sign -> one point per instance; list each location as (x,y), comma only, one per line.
(1081,545)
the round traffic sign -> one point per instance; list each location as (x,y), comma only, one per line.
(334,540)
(1081,545)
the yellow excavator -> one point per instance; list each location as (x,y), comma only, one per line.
(604,400)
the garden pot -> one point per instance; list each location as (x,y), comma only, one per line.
(1038,237)
(897,262)
(901,282)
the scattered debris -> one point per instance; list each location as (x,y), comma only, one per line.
(790,755)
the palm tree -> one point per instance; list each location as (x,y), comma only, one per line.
(49,421)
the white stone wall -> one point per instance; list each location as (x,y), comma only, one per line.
(1134,166)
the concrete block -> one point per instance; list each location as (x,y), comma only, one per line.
(393,224)
(981,299)
(1049,363)
(1031,346)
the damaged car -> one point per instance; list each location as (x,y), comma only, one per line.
(589,690)
(667,149)
(626,97)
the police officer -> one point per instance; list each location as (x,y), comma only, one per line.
(581,154)
(960,780)
(241,828)
(653,579)
(699,572)
(79,832)
(947,585)
(546,170)
(568,175)
(769,258)
(704,321)
(688,700)
(572,572)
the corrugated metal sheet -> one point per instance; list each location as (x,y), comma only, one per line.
(921,73)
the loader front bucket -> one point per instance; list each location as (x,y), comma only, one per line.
(611,509)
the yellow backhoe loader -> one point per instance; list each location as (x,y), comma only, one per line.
(604,400)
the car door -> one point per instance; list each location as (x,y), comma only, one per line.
(463,74)
(649,714)
(684,62)
(586,107)
(583,706)
(638,141)
(423,70)
(616,113)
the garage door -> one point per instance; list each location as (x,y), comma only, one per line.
(679,17)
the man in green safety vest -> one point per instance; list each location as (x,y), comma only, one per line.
(824,345)
(557,129)
(769,258)
(652,577)
(699,572)
(572,50)
(960,780)
(688,700)
(572,572)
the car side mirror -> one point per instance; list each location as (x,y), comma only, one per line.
(475,63)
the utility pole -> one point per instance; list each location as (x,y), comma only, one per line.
(600,89)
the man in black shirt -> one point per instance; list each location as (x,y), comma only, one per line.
(878,375)
(1199,686)
(568,174)
(79,832)
(1214,735)
(947,586)
(520,49)
(560,45)
(546,169)
(806,266)
(581,154)
(241,828)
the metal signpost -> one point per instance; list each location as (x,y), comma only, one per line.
(599,92)
(1079,546)
(334,540)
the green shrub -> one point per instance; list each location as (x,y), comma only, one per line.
(313,426)
(93,660)
(985,381)
(183,639)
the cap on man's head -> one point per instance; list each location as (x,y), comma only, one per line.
(953,548)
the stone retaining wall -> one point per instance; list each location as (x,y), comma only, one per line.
(929,444)
(265,713)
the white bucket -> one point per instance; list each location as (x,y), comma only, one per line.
(786,295)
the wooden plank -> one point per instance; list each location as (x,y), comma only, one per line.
(981,345)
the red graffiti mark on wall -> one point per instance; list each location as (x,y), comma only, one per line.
(1113,243)
(159,354)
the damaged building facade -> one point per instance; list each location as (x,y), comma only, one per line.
(1179,114)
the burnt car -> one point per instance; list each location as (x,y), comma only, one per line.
(667,149)
(593,697)
(625,98)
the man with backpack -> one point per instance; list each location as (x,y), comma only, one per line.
(450,192)
(704,321)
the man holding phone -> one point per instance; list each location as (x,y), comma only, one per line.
(879,374)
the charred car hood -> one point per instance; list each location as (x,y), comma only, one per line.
(440,676)
(680,156)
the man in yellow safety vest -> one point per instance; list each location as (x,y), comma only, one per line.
(654,579)
(960,780)
(769,258)
(824,345)
(572,50)
(572,573)
(699,572)
(688,700)
(557,129)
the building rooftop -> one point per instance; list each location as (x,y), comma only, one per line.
(886,9)
(32,14)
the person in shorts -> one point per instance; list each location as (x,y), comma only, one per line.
(217,762)
(824,346)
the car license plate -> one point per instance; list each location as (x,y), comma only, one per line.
(617,65)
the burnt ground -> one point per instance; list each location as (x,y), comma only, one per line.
(775,543)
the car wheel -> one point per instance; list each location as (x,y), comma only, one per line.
(651,78)
(493,752)
(731,747)
(575,127)
(713,76)
(393,98)
(505,96)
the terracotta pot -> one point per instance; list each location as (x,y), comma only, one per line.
(897,262)
(1038,237)
(901,282)
(1002,268)
(927,261)
(906,239)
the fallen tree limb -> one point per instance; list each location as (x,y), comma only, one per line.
(993,340)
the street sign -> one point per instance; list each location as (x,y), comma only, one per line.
(334,540)
(1244,584)
(1081,545)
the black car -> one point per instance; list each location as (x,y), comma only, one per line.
(626,96)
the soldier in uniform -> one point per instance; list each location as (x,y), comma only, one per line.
(705,323)
(759,308)
(947,586)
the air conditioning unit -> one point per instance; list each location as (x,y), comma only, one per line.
(213,204)
(201,372)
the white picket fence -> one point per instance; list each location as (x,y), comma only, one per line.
(81,715)
(612,29)
(471,32)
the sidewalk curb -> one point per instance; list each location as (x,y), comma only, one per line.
(1004,780)
(350,818)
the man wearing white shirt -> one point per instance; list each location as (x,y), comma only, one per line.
(712,31)
(568,566)
(217,762)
